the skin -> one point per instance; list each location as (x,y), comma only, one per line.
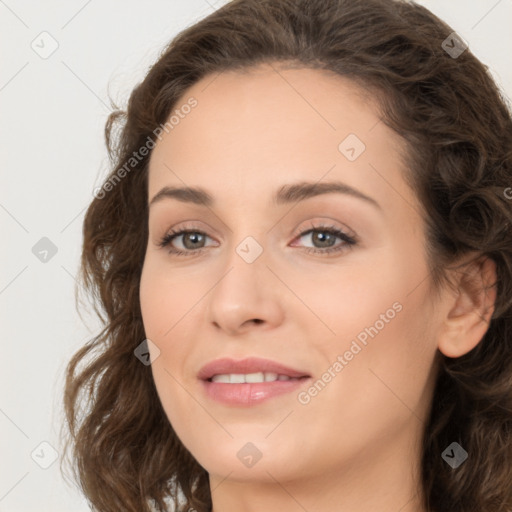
(355,445)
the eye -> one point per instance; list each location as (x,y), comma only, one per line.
(193,240)
(326,236)
(190,243)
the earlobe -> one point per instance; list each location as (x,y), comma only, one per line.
(469,311)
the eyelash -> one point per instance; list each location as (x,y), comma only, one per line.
(331,230)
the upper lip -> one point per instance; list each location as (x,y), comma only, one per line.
(248,365)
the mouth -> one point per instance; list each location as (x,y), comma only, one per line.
(252,369)
(251,378)
(249,381)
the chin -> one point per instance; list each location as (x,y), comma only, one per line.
(244,458)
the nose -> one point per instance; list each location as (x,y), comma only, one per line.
(246,296)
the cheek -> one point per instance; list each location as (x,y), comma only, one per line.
(167,302)
(381,319)
(377,378)
(351,300)
(387,360)
(160,311)
(165,298)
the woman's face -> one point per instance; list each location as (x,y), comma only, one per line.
(281,153)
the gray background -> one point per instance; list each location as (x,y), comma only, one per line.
(52,157)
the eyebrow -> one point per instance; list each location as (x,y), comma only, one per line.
(285,194)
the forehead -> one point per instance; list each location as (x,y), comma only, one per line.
(269,124)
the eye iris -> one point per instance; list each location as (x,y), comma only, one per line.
(193,236)
(323,236)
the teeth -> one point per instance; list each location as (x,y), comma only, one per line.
(252,377)
(240,378)
(221,378)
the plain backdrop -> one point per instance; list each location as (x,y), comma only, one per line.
(53,110)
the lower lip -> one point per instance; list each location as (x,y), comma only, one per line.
(248,394)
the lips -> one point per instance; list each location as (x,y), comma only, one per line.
(247,366)
(249,382)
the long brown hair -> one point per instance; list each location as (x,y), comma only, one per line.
(458,130)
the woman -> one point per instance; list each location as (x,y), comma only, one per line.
(304,256)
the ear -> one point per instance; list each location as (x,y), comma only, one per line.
(470,309)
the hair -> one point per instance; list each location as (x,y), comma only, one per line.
(457,129)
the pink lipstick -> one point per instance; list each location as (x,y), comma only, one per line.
(248,381)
